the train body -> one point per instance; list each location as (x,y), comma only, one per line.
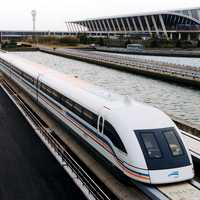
(140,140)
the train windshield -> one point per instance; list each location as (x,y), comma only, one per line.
(151,145)
(162,148)
(173,143)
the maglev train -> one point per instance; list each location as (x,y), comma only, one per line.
(137,139)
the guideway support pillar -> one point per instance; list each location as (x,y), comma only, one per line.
(189,37)
(179,36)
(171,36)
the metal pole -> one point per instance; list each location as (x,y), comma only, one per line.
(33,13)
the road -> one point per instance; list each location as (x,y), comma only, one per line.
(27,169)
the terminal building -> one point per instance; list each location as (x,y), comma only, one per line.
(176,24)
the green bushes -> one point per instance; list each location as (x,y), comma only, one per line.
(198,44)
(83,38)
(159,43)
(66,40)
(163,43)
(53,40)
(187,44)
(69,40)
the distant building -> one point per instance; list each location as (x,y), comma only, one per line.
(8,34)
(176,24)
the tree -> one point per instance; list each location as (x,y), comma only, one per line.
(198,43)
(101,42)
(83,38)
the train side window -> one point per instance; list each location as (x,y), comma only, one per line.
(101,124)
(151,145)
(56,95)
(87,115)
(173,143)
(90,117)
(47,90)
(77,109)
(112,134)
(15,70)
(67,102)
(94,120)
(28,78)
(42,86)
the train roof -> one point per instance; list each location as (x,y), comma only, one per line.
(82,92)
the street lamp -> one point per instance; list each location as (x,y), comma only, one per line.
(33,13)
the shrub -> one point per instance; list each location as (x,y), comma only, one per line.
(70,40)
(198,44)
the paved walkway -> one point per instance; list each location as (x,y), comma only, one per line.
(27,170)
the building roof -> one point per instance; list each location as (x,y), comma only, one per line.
(181,11)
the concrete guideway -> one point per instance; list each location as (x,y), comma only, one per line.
(193,143)
(187,75)
(28,170)
(182,191)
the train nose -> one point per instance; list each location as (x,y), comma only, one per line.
(171,175)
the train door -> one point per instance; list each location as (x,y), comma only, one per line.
(100,125)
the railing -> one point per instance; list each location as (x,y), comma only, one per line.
(134,63)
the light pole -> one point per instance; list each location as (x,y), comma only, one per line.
(33,13)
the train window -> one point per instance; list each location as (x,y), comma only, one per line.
(55,95)
(16,70)
(90,117)
(42,86)
(111,133)
(151,145)
(67,102)
(77,109)
(173,143)
(101,124)
(94,120)
(47,90)
(28,78)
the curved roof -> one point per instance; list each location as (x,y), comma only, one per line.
(148,22)
(193,13)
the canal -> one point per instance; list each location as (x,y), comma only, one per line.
(182,102)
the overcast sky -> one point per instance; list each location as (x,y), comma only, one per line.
(51,14)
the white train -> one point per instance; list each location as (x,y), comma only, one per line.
(139,140)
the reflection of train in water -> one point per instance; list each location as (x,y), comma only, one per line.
(141,141)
